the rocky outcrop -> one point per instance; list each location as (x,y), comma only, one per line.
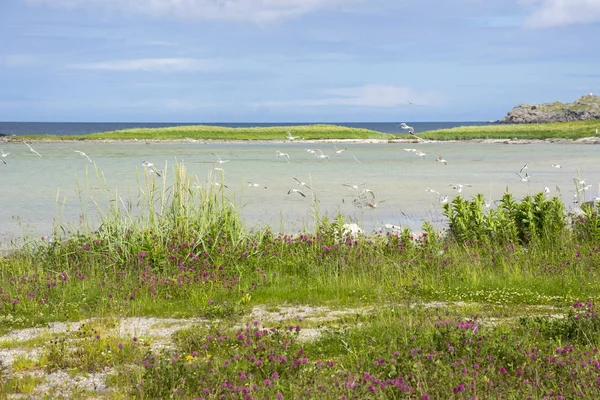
(584,108)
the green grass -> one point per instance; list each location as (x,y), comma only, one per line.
(206,132)
(562,130)
(184,252)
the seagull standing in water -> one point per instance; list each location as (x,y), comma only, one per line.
(32,150)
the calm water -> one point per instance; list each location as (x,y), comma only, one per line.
(62,183)
(82,128)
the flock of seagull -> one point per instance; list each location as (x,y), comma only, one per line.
(364,197)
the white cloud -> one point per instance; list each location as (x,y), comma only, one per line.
(149,64)
(257,11)
(552,13)
(371,95)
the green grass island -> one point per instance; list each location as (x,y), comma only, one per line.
(543,131)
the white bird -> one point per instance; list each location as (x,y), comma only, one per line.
(311,151)
(339,151)
(280,154)
(420,154)
(459,186)
(219,161)
(321,156)
(584,188)
(301,183)
(251,184)
(441,160)
(523,178)
(410,150)
(353,186)
(32,150)
(151,167)
(373,204)
(296,191)
(556,165)
(523,168)
(3,153)
(430,190)
(290,137)
(82,154)
(365,191)
(546,190)
(443,199)
(410,129)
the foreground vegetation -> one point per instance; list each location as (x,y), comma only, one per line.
(206,132)
(559,130)
(502,305)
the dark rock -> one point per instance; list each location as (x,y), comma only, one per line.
(585,108)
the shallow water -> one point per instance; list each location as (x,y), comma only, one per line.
(61,184)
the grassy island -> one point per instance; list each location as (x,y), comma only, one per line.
(177,299)
(206,132)
(558,130)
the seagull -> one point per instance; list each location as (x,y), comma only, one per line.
(546,190)
(321,156)
(441,160)
(311,151)
(524,178)
(374,204)
(459,186)
(339,151)
(151,167)
(82,154)
(410,129)
(365,191)
(280,154)
(250,184)
(410,150)
(443,199)
(31,149)
(420,154)
(290,137)
(584,188)
(352,186)
(3,153)
(219,161)
(556,165)
(523,168)
(430,190)
(297,191)
(300,183)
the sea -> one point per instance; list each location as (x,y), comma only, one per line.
(62,187)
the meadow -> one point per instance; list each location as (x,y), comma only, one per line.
(501,304)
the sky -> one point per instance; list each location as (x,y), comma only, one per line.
(292,60)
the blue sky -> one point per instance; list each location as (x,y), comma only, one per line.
(292,60)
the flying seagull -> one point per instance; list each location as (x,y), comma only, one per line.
(31,149)
(301,183)
(82,154)
(441,160)
(290,137)
(219,161)
(297,191)
(410,129)
(280,154)
(151,167)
